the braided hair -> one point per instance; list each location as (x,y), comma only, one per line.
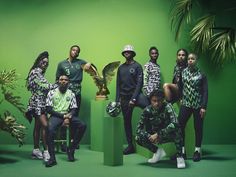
(40,57)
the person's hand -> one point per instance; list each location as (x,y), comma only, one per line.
(66,122)
(153,138)
(118,103)
(67,116)
(87,66)
(131,103)
(202,112)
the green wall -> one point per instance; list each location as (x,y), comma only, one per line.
(101,28)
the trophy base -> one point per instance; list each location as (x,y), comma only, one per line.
(101,97)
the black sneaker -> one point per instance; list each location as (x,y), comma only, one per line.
(196,156)
(70,154)
(174,157)
(50,163)
(63,148)
(129,150)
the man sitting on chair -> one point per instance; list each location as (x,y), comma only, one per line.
(61,104)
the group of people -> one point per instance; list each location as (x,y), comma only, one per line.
(60,100)
(159,123)
(134,87)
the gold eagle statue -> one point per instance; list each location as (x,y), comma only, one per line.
(103,80)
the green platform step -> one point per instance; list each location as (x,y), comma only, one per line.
(106,134)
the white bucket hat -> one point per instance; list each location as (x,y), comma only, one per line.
(128,48)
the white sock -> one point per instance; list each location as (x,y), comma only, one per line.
(198,149)
(183,150)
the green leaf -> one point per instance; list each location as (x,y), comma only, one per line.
(202,32)
(179,14)
(223,45)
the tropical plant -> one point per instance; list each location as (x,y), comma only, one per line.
(207,35)
(8,122)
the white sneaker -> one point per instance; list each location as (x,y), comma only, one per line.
(157,156)
(46,156)
(37,154)
(180,162)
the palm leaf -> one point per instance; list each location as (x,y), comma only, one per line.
(10,125)
(8,78)
(223,45)
(14,100)
(202,32)
(179,13)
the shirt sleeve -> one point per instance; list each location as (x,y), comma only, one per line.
(139,79)
(49,100)
(83,62)
(73,103)
(173,124)
(204,92)
(141,125)
(118,85)
(180,84)
(59,71)
(145,81)
(41,83)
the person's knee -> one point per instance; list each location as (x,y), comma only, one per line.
(83,126)
(139,140)
(80,124)
(165,86)
(51,131)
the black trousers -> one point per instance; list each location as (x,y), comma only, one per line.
(63,129)
(127,111)
(184,115)
(77,127)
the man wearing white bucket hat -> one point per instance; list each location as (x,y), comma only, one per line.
(128,92)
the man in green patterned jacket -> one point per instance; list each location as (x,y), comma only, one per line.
(158,125)
(194,88)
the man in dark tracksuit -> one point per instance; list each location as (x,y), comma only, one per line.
(159,124)
(72,68)
(194,89)
(128,92)
(61,105)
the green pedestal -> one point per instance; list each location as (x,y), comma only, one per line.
(97,117)
(113,141)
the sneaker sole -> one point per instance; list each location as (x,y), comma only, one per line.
(181,166)
(36,157)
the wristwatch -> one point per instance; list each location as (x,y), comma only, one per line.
(134,100)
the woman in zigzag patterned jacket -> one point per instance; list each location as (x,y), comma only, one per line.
(194,90)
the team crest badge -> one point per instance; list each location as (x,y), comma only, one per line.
(131,70)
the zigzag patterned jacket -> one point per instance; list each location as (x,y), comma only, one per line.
(194,88)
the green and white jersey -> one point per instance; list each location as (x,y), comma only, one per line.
(61,103)
(73,71)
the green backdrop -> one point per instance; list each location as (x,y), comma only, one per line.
(102,28)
